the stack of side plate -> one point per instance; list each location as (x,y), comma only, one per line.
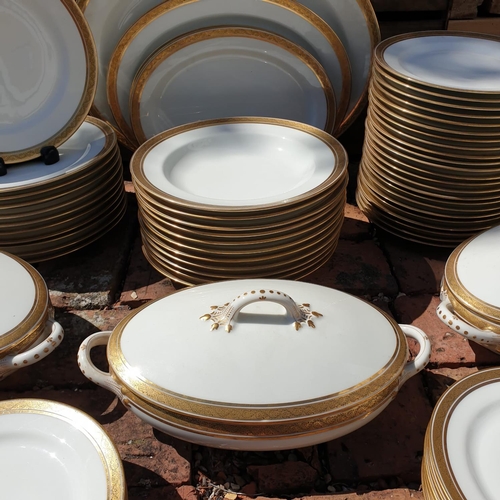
(462,443)
(49,210)
(430,170)
(165,64)
(240,198)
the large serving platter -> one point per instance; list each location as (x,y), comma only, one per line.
(355,23)
(46,99)
(462,440)
(70,456)
(224,72)
(172,19)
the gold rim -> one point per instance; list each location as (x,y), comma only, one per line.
(374,32)
(458,289)
(438,426)
(28,327)
(172,48)
(127,377)
(382,47)
(113,469)
(86,99)
(165,8)
(339,170)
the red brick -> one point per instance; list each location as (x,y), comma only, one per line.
(142,283)
(162,493)
(284,477)
(416,269)
(439,379)
(390,445)
(356,226)
(359,268)
(393,494)
(449,349)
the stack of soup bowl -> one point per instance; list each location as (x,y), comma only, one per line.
(49,210)
(240,198)
(470,290)
(430,170)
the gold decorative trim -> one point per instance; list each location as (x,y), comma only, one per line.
(86,99)
(170,49)
(92,430)
(165,8)
(168,400)
(338,172)
(382,47)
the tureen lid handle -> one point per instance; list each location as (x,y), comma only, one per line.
(225,315)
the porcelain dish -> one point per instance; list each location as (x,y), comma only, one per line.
(469,290)
(359,356)
(226,72)
(28,332)
(432,127)
(44,102)
(69,454)
(49,210)
(461,443)
(170,20)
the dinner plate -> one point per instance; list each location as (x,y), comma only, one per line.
(52,451)
(169,20)
(467,62)
(228,72)
(355,23)
(465,436)
(108,21)
(49,75)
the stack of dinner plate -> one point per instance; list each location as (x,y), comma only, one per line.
(49,210)
(462,442)
(430,170)
(166,64)
(240,198)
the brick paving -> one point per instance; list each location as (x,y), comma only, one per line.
(94,288)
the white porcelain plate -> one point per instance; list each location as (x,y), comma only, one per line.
(108,21)
(172,19)
(239,164)
(52,451)
(48,65)
(355,23)
(227,72)
(457,62)
(85,145)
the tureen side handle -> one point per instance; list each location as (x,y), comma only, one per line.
(88,368)
(37,352)
(446,314)
(423,356)
(226,314)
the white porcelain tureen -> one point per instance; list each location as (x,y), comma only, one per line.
(274,365)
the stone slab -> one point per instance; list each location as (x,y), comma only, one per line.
(356,226)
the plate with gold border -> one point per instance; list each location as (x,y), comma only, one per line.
(69,454)
(45,101)
(172,19)
(228,72)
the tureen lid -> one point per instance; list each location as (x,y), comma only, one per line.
(263,344)
(472,273)
(24,300)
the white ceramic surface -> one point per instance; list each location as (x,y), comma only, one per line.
(108,21)
(17,293)
(478,267)
(165,24)
(226,75)
(239,164)
(355,24)
(51,451)
(454,62)
(472,440)
(44,72)
(83,146)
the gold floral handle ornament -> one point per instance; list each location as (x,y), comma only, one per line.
(225,314)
